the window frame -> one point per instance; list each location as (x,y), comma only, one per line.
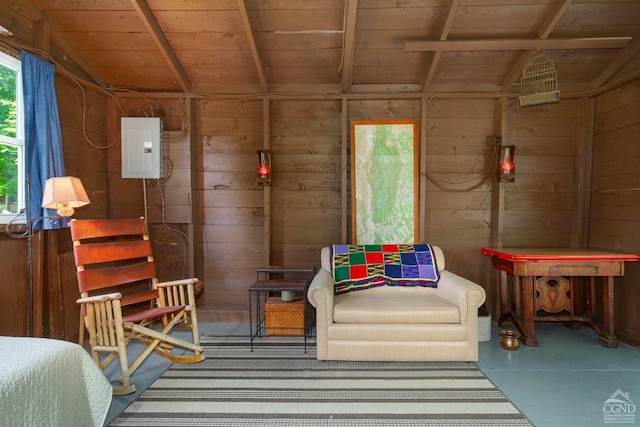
(365,164)
(15,64)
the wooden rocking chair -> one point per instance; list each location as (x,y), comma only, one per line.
(121,297)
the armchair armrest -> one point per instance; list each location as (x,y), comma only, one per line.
(462,292)
(320,295)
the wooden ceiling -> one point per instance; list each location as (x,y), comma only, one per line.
(334,46)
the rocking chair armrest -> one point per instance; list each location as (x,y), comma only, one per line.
(99,298)
(177,292)
(180,282)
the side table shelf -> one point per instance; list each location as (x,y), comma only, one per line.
(261,299)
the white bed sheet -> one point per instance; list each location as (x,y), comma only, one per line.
(46,382)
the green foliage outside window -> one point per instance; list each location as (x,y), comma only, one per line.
(8,153)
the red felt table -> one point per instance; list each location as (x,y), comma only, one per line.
(545,285)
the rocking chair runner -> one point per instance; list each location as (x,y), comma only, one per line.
(114,261)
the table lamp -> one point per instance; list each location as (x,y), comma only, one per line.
(64,193)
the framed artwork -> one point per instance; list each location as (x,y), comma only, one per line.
(384,181)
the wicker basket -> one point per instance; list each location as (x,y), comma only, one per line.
(284,318)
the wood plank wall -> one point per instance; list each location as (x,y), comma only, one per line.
(229,135)
(538,205)
(213,199)
(615,208)
(461,163)
(304,202)
(170,199)
(13,287)
(83,123)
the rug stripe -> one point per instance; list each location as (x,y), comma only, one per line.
(228,373)
(328,395)
(223,420)
(323,408)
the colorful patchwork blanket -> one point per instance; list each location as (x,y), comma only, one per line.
(357,267)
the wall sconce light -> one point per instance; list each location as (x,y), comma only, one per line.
(507,165)
(264,167)
(64,193)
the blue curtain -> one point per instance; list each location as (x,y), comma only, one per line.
(43,141)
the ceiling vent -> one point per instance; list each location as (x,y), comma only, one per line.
(539,83)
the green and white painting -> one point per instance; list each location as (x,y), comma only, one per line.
(384,181)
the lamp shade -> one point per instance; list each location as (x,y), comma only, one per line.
(64,193)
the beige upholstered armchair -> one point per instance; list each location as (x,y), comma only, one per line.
(436,322)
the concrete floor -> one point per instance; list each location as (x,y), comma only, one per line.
(566,381)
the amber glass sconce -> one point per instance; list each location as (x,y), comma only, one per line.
(507,165)
(264,167)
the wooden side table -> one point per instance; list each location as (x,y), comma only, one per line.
(544,271)
(265,286)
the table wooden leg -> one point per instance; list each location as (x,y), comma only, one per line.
(517,295)
(574,294)
(577,300)
(528,299)
(607,334)
(505,302)
(589,290)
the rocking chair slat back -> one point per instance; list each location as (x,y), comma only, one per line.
(107,228)
(92,280)
(111,250)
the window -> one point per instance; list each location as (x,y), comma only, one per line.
(384,173)
(12,198)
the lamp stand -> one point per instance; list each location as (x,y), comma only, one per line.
(29,258)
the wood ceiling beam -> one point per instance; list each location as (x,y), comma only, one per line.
(244,16)
(75,56)
(545,30)
(628,53)
(160,39)
(552,20)
(35,13)
(349,36)
(516,44)
(444,33)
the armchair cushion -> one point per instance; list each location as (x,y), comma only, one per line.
(399,306)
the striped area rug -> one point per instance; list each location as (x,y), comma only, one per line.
(278,384)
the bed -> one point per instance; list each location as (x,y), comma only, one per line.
(46,382)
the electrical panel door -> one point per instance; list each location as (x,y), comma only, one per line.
(141,147)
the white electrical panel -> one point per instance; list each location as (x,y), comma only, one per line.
(141,147)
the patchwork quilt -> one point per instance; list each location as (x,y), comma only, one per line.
(357,267)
